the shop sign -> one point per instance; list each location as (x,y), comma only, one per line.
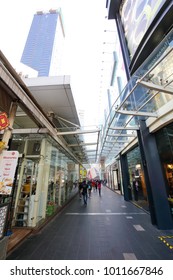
(94,173)
(8,164)
(4,122)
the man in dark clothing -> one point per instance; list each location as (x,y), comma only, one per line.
(99,184)
(80,190)
(85,191)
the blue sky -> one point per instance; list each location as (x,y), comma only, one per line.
(84,25)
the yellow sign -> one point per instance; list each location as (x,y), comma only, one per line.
(4,122)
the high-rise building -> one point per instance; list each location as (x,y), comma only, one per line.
(43,50)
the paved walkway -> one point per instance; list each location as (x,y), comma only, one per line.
(108,228)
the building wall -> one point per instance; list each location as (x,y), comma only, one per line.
(156,60)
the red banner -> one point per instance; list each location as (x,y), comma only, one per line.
(4,122)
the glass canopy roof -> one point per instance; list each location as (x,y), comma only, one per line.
(148,90)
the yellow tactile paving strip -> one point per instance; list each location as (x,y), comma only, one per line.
(167,240)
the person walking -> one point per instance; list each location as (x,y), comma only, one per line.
(89,188)
(96,184)
(93,185)
(99,186)
(80,190)
(85,191)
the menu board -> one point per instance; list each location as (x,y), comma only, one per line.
(8,163)
(3,215)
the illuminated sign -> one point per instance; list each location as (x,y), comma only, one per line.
(136,17)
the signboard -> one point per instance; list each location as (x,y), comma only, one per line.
(8,163)
(136,17)
(93,173)
(4,122)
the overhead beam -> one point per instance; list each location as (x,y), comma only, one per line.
(158,88)
(78,131)
(117,141)
(90,151)
(67,121)
(121,135)
(30,130)
(81,144)
(121,141)
(124,128)
(110,146)
(135,113)
(21,114)
(84,153)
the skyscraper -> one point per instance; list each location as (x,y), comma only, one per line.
(44,45)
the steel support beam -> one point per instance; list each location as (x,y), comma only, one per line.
(158,88)
(135,113)
(30,130)
(124,128)
(77,131)
(81,144)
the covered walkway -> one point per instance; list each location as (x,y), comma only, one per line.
(108,228)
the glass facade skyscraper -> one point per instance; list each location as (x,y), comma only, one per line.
(44,45)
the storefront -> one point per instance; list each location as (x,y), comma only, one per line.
(45,179)
(137,180)
(113,177)
(46,171)
(8,164)
(164,139)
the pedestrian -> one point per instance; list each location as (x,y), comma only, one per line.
(96,184)
(135,187)
(85,191)
(80,190)
(93,184)
(99,184)
(89,188)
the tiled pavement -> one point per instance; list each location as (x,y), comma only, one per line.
(108,228)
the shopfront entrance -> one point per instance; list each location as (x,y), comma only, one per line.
(164,139)
(137,180)
(25,194)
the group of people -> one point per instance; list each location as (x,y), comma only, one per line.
(86,187)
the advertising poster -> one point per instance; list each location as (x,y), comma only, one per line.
(8,163)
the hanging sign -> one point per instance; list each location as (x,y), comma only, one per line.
(8,164)
(4,122)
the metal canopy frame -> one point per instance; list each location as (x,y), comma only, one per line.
(43,124)
(68,139)
(110,130)
(76,131)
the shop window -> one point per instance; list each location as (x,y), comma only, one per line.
(137,180)
(164,140)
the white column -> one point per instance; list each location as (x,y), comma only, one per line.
(21,176)
(44,191)
(40,182)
